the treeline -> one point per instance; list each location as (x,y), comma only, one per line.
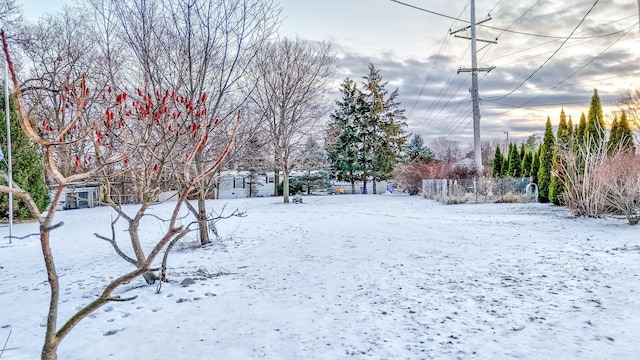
(583,166)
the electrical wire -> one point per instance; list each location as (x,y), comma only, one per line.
(424,85)
(552,55)
(489,26)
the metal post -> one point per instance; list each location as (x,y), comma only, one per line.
(9,165)
(474,93)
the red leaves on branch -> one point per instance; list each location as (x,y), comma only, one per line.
(155,167)
(121,97)
(77,162)
(99,137)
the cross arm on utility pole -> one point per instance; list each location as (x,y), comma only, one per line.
(469,26)
(463,69)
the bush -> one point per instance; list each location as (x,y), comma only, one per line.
(295,185)
(620,176)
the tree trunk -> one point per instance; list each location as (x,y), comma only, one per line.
(148,276)
(285,184)
(353,186)
(49,350)
(201,216)
(202,219)
(276,173)
(364,184)
(374,186)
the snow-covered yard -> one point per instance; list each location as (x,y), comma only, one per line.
(342,277)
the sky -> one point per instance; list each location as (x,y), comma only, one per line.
(551,57)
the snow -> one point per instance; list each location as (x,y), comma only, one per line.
(342,277)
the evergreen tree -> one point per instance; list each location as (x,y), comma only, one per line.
(535,165)
(366,133)
(594,131)
(415,151)
(514,161)
(626,136)
(563,138)
(27,166)
(380,129)
(343,143)
(525,167)
(498,163)
(614,136)
(581,128)
(546,162)
(523,153)
(570,130)
(531,144)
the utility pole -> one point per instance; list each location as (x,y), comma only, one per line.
(477,149)
(506,144)
(9,166)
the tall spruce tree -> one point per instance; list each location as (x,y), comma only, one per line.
(415,151)
(525,166)
(546,162)
(563,138)
(535,165)
(581,128)
(498,163)
(614,136)
(594,131)
(513,161)
(621,137)
(570,130)
(28,169)
(343,143)
(381,129)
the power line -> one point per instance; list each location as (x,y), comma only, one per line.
(581,67)
(424,85)
(519,18)
(566,78)
(488,26)
(552,55)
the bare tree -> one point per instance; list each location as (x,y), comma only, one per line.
(61,52)
(12,20)
(446,150)
(219,41)
(293,76)
(162,132)
(94,160)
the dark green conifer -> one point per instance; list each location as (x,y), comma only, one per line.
(498,163)
(546,162)
(27,166)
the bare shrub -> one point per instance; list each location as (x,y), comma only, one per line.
(579,172)
(409,176)
(620,176)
